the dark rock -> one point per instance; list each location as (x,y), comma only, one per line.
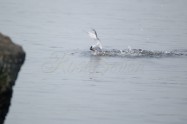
(12,57)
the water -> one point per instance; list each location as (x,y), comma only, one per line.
(62,82)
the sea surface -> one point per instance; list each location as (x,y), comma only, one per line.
(63,82)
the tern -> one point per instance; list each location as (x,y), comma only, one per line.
(97,46)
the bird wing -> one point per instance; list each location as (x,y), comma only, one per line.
(92,35)
(98,45)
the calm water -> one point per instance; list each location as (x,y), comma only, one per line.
(62,83)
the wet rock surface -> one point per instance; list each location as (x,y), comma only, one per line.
(12,57)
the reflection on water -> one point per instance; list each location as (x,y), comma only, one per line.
(62,82)
(69,63)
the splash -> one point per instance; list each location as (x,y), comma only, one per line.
(139,53)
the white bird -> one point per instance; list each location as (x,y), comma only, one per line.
(97,46)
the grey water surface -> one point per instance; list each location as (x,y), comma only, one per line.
(62,82)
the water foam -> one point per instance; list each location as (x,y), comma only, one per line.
(139,53)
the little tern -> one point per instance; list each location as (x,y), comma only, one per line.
(97,46)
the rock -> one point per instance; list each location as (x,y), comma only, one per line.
(12,57)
